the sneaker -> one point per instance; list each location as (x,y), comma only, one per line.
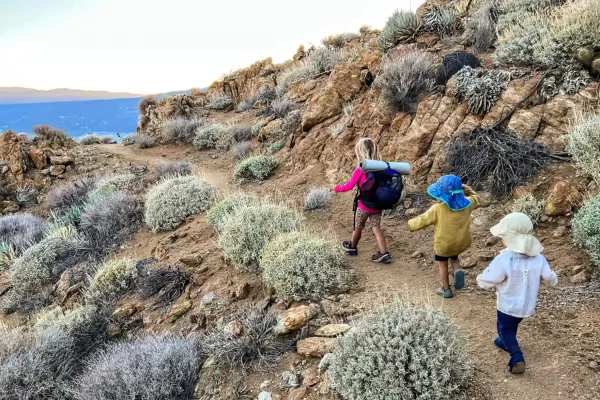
(445,293)
(352,251)
(382,258)
(459,279)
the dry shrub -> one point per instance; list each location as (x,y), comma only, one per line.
(181,129)
(217,213)
(21,231)
(529,206)
(174,199)
(241,132)
(496,157)
(128,140)
(255,349)
(299,265)
(144,141)
(241,150)
(112,183)
(484,24)
(244,232)
(146,102)
(165,169)
(339,40)
(220,103)
(257,168)
(167,285)
(584,144)
(406,78)
(209,136)
(401,27)
(454,62)
(87,140)
(71,194)
(410,353)
(282,106)
(151,368)
(317,198)
(45,133)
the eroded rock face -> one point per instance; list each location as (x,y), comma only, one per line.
(14,152)
(320,108)
(564,196)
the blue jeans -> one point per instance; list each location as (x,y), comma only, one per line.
(507,333)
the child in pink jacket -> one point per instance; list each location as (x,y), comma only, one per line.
(365,149)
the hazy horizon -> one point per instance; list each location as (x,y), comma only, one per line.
(145,47)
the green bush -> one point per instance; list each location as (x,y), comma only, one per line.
(276,146)
(401,27)
(42,263)
(584,145)
(113,183)
(246,231)
(209,136)
(257,168)
(301,266)
(128,140)
(174,199)
(220,103)
(218,212)
(404,353)
(529,206)
(112,279)
(586,228)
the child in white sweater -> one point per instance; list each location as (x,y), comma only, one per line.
(516,274)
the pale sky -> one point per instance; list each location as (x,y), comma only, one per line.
(153,46)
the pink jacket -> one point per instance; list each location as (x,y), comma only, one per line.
(358,178)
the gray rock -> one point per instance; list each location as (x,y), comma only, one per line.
(264,396)
(289,380)
(208,298)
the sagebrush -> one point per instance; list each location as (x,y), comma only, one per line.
(151,368)
(586,228)
(245,232)
(257,168)
(218,212)
(209,136)
(220,103)
(404,79)
(21,230)
(181,129)
(410,353)
(529,206)
(172,168)
(300,265)
(317,198)
(242,150)
(144,141)
(64,196)
(174,199)
(584,144)
(113,183)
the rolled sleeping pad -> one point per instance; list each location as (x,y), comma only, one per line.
(375,165)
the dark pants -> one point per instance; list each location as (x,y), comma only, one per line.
(507,333)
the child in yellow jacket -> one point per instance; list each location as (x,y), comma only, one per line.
(451,219)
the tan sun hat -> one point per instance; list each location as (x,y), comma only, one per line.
(516,230)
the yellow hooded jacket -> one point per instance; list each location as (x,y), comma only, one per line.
(452,228)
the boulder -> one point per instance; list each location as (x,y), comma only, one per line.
(14,152)
(346,80)
(61,160)
(320,108)
(39,158)
(295,318)
(332,330)
(57,170)
(315,346)
(563,197)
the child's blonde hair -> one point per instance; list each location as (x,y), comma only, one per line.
(367,149)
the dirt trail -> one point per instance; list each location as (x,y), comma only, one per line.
(555,342)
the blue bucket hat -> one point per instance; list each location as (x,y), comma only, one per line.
(449,190)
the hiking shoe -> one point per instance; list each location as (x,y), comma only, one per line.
(518,368)
(352,251)
(445,293)
(459,279)
(385,258)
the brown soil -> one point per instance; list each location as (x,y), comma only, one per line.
(559,342)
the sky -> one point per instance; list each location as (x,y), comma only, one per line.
(154,46)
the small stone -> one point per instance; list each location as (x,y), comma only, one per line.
(234,328)
(315,346)
(559,232)
(297,394)
(468,263)
(594,365)
(310,378)
(577,269)
(411,213)
(208,298)
(492,241)
(289,380)
(57,170)
(180,311)
(191,261)
(417,254)
(61,160)
(264,396)
(242,291)
(295,318)
(124,312)
(332,330)
(581,277)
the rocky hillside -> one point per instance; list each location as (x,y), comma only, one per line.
(201,258)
